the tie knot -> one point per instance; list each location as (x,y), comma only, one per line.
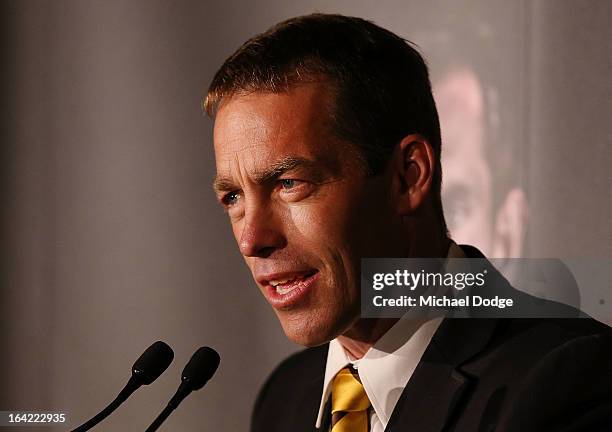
(348,394)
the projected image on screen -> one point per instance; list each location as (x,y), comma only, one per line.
(484,204)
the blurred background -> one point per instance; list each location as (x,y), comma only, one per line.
(111,236)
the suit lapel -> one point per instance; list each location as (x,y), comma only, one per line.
(437,386)
(327,415)
(306,412)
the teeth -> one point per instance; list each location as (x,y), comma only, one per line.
(280,281)
(282,290)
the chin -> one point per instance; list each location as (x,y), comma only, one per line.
(308,337)
(311,331)
(306,341)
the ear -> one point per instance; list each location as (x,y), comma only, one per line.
(413,169)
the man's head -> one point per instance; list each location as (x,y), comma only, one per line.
(483,200)
(327,148)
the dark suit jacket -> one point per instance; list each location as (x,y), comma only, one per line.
(477,375)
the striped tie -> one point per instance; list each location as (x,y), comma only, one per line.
(349,403)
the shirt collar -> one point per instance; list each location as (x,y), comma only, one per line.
(388,365)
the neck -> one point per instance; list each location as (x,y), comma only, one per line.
(428,243)
(363,334)
(426,239)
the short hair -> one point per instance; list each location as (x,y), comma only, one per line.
(381,82)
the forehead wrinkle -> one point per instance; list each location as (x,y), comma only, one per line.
(228,162)
(270,135)
(279,167)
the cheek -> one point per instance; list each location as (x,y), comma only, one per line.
(237,228)
(332,232)
(337,205)
(476,230)
(320,226)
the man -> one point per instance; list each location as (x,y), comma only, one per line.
(327,148)
(479,166)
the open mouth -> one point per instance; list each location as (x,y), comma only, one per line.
(288,284)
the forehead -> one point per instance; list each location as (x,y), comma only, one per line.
(264,125)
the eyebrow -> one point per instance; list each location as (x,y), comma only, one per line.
(226,184)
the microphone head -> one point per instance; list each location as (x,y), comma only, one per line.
(152,363)
(202,366)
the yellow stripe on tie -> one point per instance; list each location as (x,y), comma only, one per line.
(349,403)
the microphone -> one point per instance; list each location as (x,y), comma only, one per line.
(201,367)
(149,366)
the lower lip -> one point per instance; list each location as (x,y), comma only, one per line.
(293,297)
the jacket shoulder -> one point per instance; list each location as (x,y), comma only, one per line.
(292,392)
(542,374)
(552,331)
(570,386)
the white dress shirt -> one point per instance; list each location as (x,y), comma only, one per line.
(387,366)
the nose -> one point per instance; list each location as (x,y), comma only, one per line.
(262,233)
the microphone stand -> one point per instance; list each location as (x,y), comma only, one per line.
(129,388)
(182,392)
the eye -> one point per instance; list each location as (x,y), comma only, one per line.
(288,183)
(292,190)
(230,198)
